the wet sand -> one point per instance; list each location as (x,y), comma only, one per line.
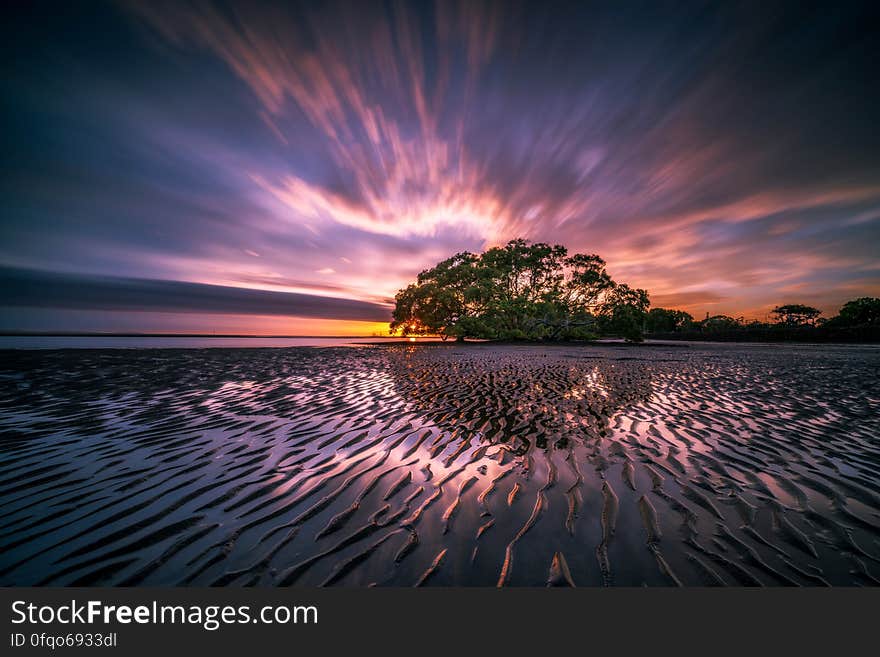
(441,465)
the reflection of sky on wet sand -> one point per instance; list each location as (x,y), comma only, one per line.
(368,465)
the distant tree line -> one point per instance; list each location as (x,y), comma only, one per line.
(857,321)
(537,291)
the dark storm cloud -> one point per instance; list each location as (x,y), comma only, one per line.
(36,289)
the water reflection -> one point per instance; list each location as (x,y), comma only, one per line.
(520,397)
(405,464)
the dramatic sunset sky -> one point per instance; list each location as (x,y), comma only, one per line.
(285,168)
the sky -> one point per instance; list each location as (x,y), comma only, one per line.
(284,168)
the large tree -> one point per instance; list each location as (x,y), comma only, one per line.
(624,311)
(861,311)
(796,314)
(518,291)
(664,320)
(720,323)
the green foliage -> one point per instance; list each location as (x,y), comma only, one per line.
(519,291)
(859,312)
(720,323)
(796,314)
(663,320)
(623,312)
(858,321)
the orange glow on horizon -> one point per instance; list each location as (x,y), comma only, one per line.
(257,325)
(314,327)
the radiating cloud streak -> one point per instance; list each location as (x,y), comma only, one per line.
(363,86)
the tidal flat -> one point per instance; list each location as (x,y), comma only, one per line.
(441,465)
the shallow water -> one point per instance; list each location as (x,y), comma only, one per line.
(441,465)
(182,342)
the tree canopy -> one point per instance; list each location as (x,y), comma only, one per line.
(858,321)
(537,291)
(664,320)
(796,314)
(861,311)
(522,290)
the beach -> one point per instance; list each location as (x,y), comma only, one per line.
(441,465)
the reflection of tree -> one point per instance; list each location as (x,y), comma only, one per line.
(518,398)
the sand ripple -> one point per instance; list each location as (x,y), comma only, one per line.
(441,465)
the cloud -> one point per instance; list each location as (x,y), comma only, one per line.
(40,289)
(720,151)
(686,299)
(362,82)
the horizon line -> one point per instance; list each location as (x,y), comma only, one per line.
(134,334)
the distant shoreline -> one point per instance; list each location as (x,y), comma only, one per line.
(74,334)
(765,338)
(102,342)
(650,340)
